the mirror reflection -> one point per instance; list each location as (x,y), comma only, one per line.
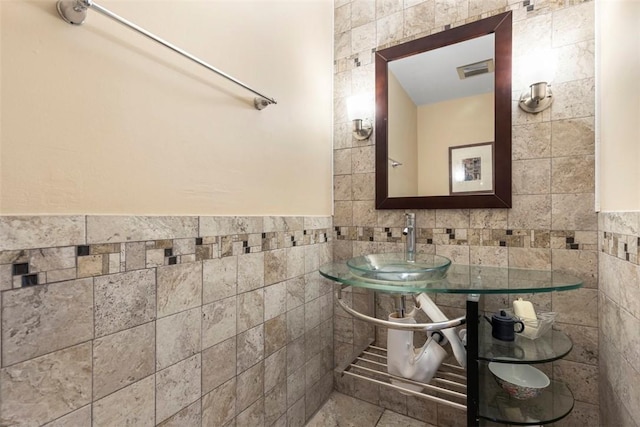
(440,100)
(443,119)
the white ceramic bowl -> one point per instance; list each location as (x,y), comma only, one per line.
(520,381)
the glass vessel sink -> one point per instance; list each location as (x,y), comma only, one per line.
(394,267)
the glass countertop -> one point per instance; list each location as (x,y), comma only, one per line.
(462,279)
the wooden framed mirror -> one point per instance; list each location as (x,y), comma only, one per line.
(443,119)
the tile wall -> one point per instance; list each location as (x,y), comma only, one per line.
(619,304)
(552,225)
(172,321)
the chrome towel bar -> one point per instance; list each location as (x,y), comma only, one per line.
(75,12)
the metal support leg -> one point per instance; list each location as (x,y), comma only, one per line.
(473,379)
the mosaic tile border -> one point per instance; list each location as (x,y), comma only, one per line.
(518,238)
(29,267)
(623,246)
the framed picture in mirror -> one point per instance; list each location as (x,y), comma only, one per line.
(471,168)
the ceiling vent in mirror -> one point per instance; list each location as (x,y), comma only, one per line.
(475,69)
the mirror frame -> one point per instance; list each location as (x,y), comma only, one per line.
(500,25)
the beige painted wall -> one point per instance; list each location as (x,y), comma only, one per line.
(98,119)
(618,65)
(403,132)
(446,124)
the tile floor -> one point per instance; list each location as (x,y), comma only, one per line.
(346,411)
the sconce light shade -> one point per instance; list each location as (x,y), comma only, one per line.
(360,108)
(538,98)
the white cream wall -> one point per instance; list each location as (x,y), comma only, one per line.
(100,120)
(618,67)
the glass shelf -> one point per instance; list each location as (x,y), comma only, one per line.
(462,279)
(554,403)
(549,347)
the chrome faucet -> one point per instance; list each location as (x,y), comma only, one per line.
(410,242)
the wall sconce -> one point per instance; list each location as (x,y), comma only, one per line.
(538,66)
(360,110)
(538,98)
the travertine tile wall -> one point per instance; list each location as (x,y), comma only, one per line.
(552,224)
(172,321)
(619,304)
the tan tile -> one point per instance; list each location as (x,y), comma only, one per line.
(584,415)
(530,212)
(79,417)
(111,229)
(579,307)
(573,174)
(450,12)
(389,29)
(220,277)
(629,337)
(419,18)
(135,255)
(295,355)
(364,186)
(275,369)
(136,346)
(573,24)
(275,334)
(229,225)
(294,262)
(124,300)
(489,255)
(28,232)
(342,187)
(42,389)
(250,310)
(177,387)
(275,298)
(345,409)
(343,213)
(530,258)
(452,218)
(33,323)
(275,403)
(392,419)
(295,323)
(275,266)
(91,265)
(249,387)
(573,137)
(250,348)
(342,161)
(179,288)
(219,406)
(583,264)
(252,416)
(177,337)
(573,99)
(218,321)
(296,414)
(218,364)
(188,417)
(154,258)
(532,141)
(364,213)
(363,157)
(582,379)
(250,272)
(133,405)
(52,259)
(531,176)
